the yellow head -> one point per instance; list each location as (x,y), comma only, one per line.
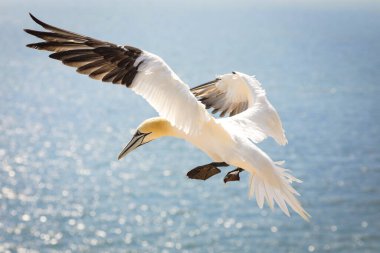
(149,130)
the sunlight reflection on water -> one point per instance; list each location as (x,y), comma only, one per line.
(62,189)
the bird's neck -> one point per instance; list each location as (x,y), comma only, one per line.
(160,127)
(166,129)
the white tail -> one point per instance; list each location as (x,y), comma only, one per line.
(283,195)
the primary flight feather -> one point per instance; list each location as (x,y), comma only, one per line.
(183,112)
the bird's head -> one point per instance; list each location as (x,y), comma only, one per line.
(148,131)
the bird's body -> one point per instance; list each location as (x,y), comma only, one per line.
(268,180)
(183,111)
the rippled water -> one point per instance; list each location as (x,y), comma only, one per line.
(62,189)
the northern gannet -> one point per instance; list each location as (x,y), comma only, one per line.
(183,112)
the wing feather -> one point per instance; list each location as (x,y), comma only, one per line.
(143,72)
(243,99)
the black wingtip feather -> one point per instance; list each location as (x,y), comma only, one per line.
(92,57)
(37,34)
(26,30)
(44,25)
(37,20)
(34,46)
(53,28)
(31,32)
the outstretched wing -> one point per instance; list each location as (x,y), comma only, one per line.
(143,72)
(242,98)
(224,95)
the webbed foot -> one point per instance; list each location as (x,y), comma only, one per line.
(233,175)
(203,172)
(206,171)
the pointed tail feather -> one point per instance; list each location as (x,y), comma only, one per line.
(283,196)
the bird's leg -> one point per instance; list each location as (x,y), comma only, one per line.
(233,175)
(204,172)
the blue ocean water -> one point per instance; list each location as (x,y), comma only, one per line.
(63,190)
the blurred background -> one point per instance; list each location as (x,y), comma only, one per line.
(63,190)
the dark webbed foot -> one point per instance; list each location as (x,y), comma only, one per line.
(203,172)
(206,171)
(233,175)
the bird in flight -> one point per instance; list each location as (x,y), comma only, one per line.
(228,141)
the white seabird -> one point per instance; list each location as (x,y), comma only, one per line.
(183,114)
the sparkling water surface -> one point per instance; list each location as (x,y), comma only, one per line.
(63,190)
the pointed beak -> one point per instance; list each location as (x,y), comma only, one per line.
(137,141)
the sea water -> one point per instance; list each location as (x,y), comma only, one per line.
(63,190)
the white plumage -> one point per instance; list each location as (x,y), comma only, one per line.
(260,119)
(166,92)
(183,111)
